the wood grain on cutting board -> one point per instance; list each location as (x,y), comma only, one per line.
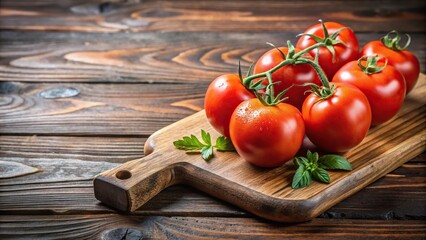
(264,192)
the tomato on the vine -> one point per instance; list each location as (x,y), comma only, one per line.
(266,136)
(383,85)
(287,75)
(341,45)
(403,60)
(338,121)
(222,97)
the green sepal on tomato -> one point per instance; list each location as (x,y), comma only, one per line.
(383,85)
(288,75)
(266,135)
(403,60)
(223,95)
(340,45)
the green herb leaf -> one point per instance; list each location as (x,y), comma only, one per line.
(206,137)
(298,161)
(224,144)
(332,161)
(190,143)
(207,152)
(313,166)
(312,157)
(321,175)
(302,178)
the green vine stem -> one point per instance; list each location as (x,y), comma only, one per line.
(295,58)
(371,66)
(286,61)
(393,42)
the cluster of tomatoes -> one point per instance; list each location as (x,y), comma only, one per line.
(287,94)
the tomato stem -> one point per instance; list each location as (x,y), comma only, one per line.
(320,72)
(308,49)
(329,40)
(371,66)
(270,71)
(393,42)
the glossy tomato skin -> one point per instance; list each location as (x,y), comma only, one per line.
(222,97)
(385,90)
(339,122)
(403,60)
(287,75)
(344,53)
(266,136)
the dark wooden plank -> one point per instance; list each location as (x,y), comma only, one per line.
(201,16)
(99,109)
(141,57)
(112,226)
(391,197)
(105,149)
(64,186)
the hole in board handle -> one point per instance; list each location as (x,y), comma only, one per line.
(123,174)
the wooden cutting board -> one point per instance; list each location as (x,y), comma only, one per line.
(264,192)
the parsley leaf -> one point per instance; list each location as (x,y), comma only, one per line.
(192,143)
(224,144)
(189,143)
(207,152)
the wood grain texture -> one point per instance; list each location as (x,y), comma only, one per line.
(100,149)
(65,185)
(13,169)
(98,109)
(145,57)
(73,196)
(201,16)
(155,44)
(264,192)
(113,226)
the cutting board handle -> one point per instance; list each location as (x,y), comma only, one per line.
(130,185)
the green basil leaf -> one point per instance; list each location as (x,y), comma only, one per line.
(207,152)
(302,178)
(224,144)
(321,175)
(300,161)
(332,161)
(312,157)
(309,155)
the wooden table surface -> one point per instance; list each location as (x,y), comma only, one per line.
(84,83)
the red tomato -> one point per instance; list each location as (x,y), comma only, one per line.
(222,97)
(343,54)
(385,90)
(266,136)
(339,122)
(404,61)
(287,75)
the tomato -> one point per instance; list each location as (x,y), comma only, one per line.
(343,54)
(287,75)
(266,136)
(384,89)
(339,122)
(222,97)
(403,60)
